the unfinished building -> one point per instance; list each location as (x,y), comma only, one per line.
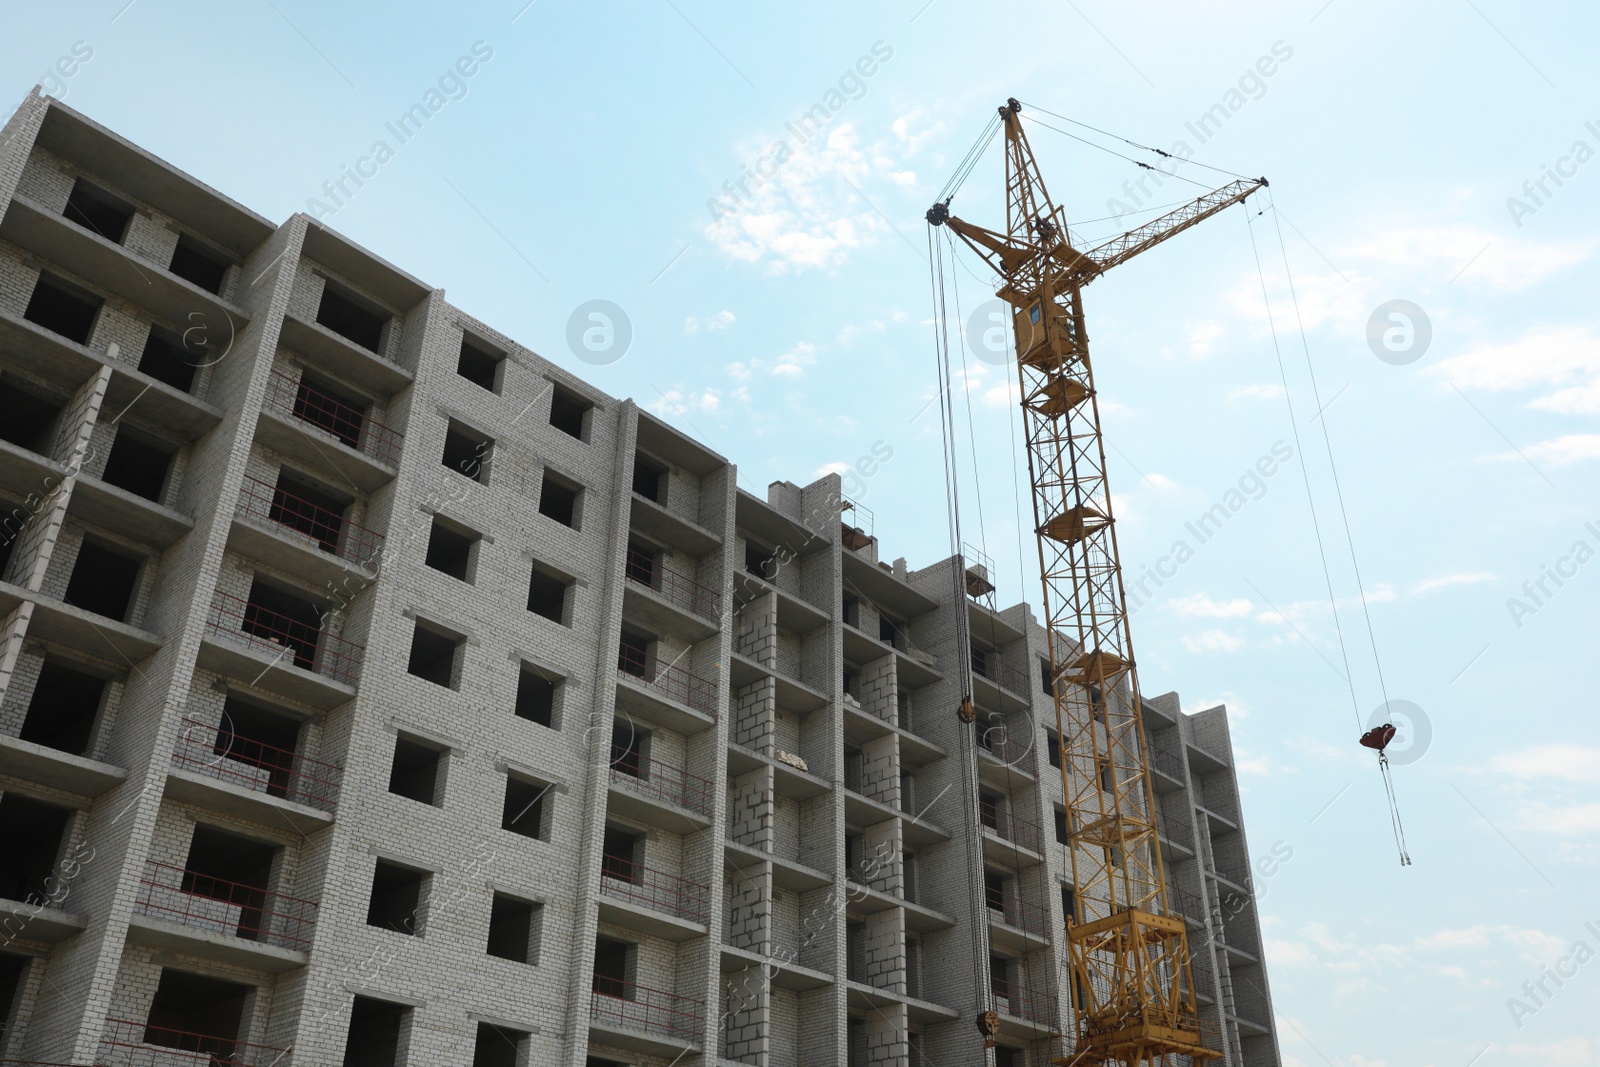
(373,692)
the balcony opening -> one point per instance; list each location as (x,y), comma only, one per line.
(858,1052)
(1063,837)
(569,413)
(903,711)
(396,899)
(351,318)
(377,1029)
(853,765)
(855,946)
(137,464)
(1069,904)
(629,748)
(633,654)
(852,612)
(326,407)
(536,696)
(194,1013)
(980,661)
(994,893)
(34,833)
(167,358)
(194,263)
(453,549)
(259,737)
(760,560)
(63,308)
(548,594)
(889,632)
(12,969)
(414,773)
(524,811)
(559,499)
(621,856)
(497,1046)
(1006,1056)
(907,788)
(284,618)
(514,929)
(642,564)
(103,581)
(26,418)
(435,656)
(300,505)
(1044,678)
(231,869)
(649,478)
(999,980)
(990,806)
(1052,742)
(913,967)
(614,964)
(909,881)
(479,366)
(1107,782)
(65,705)
(855,856)
(98,211)
(467,451)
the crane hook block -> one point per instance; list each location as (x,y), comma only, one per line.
(1011,106)
(938,213)
(1378,737)
(966,712)
(988,1025)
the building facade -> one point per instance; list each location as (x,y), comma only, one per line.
(373,691)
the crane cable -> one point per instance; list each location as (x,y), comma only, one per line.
(1344,516)
(1135,144)
(983,542)
(1316,526)
(970,160)
(969,786)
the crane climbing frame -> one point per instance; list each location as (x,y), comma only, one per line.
(1133,986)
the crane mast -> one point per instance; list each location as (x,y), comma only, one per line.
(1132,984)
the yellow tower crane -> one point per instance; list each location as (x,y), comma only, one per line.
(1134,997)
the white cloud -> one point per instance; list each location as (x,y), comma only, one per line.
(1213,641)
(832,468)
(1256,392)
(719,321)
(1563,820)
(1445,581)
(807,215)
(1565,1052)
(677,402)
(1560,451)
(1572,763)
(853,332)
(1561,362)
(1201,606)
(794,362)
(1504,264)
(1203,337)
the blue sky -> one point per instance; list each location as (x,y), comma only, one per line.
(577,162)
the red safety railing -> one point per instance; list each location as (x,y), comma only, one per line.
(125,1043)
(637,1007)
(986,664)
(626,880)
(1020,1002)
(262,628)
(1013,828)
(682,590)
(331,531)
(674,682)
(661,781)
(1020,914)
(205,902)
(221,753)
(294,398)
(997,742)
